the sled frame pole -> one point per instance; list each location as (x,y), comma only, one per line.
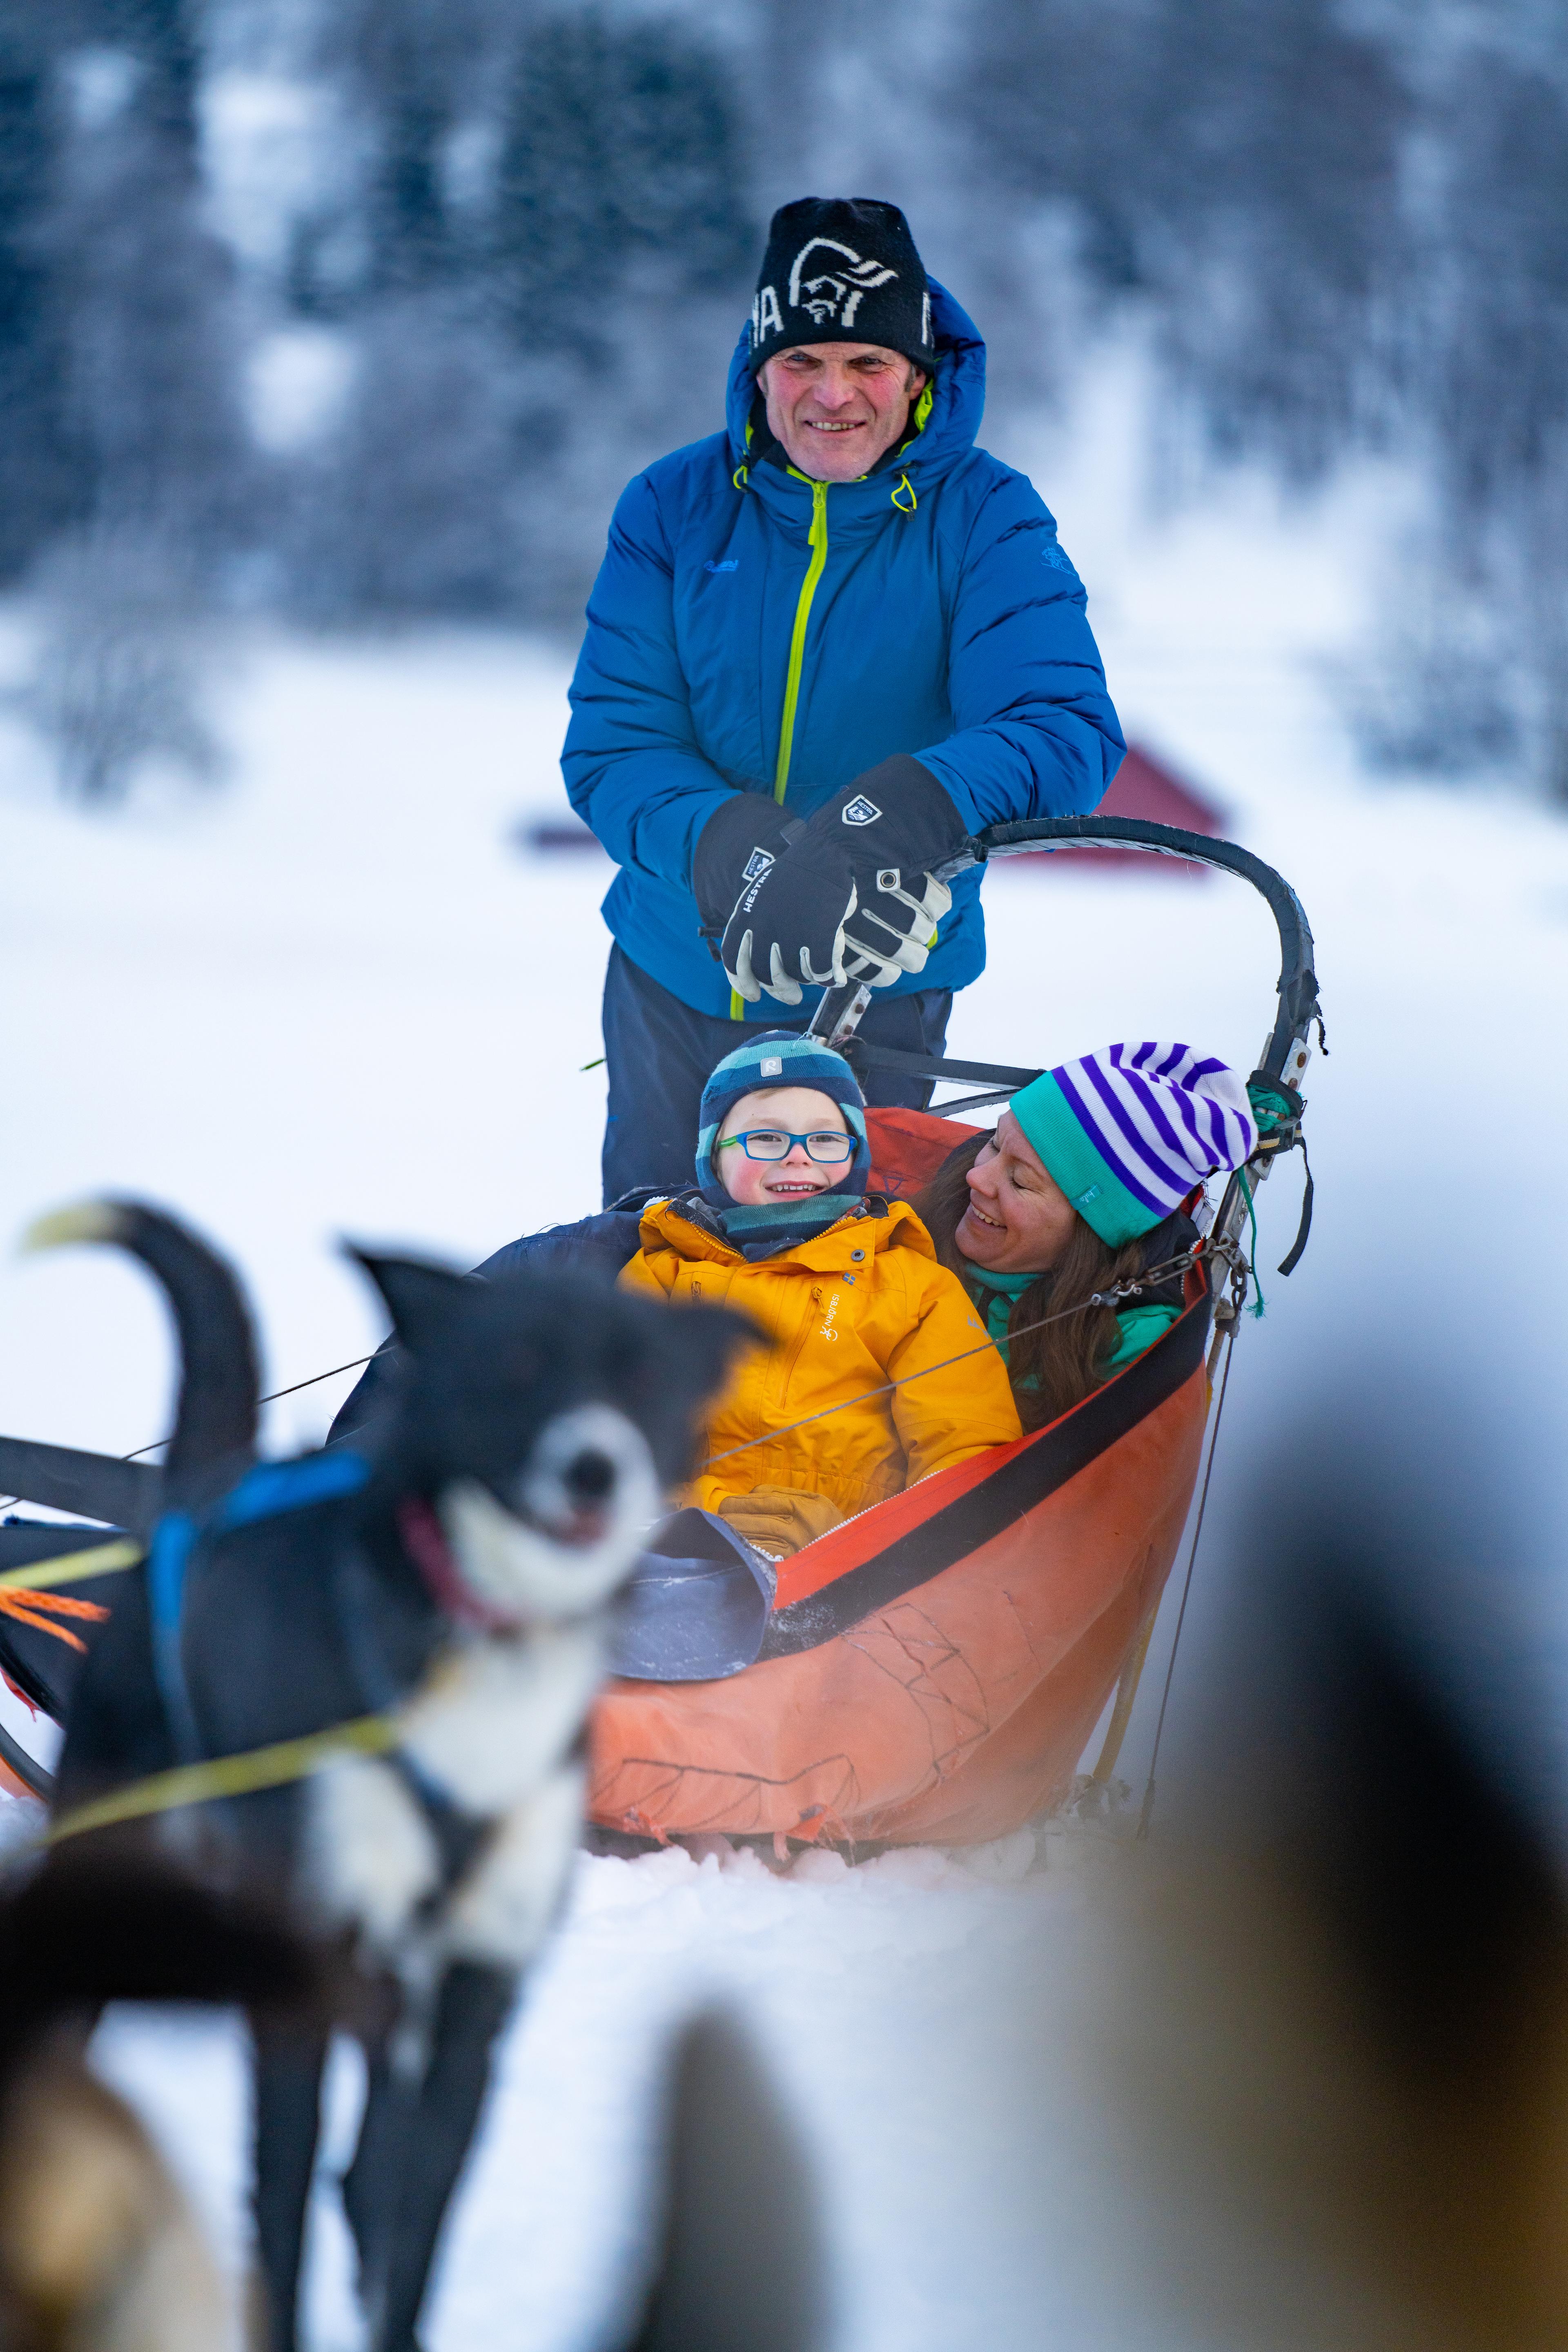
(838,1014)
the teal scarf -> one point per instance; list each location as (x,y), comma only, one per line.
(763,1231)
(997,1294)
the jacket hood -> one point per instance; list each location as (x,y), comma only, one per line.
(958,393)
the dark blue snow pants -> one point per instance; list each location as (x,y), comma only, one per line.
(660,1055)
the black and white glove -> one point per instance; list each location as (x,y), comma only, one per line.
(896,823)
(848,897)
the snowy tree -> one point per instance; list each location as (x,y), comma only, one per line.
(1236,166)
(37,489)
(150,392)
(117,683)
(622,145)
(1348,225)
(552,221)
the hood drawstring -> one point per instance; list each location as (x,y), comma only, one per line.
(742,482)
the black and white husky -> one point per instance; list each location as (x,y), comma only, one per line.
(457,1574)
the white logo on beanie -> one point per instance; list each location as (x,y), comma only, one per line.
(821,296)
(771,1066)
(766,317)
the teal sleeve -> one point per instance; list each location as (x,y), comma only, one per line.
(1140,1327)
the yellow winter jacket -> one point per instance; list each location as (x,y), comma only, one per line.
(859,1304)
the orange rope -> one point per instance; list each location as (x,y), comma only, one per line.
(36,1609)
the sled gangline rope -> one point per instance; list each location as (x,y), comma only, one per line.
(357,1364)
(158,1444)
(1166,1273)
(273,1767)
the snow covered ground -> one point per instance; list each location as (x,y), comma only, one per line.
(332,998)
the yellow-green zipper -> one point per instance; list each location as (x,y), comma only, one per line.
(817,541)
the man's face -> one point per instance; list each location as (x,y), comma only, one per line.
(838,407)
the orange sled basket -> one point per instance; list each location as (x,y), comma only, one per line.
(932,1670)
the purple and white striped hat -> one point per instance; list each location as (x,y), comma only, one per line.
(1127,1133)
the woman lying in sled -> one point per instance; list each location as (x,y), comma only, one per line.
(1081,1187)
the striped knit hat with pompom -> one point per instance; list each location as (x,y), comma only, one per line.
(1128,1132)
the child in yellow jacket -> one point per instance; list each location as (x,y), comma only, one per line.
(848,1289)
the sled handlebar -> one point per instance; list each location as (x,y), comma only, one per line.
(1298,984)
(838,1014)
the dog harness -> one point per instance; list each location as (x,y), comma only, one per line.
(461,1839)
(263,1492)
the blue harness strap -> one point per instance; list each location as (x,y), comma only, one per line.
(274,1486)
(167,1561)
(265,1492)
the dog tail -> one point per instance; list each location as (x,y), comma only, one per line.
(215,1421)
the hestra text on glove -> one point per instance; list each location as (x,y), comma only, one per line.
(788,925)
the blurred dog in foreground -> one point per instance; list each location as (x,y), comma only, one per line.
(451,1589)
(743,2264)
(99,2252)
(1336,2024)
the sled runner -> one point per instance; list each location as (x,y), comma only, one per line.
(931,1670)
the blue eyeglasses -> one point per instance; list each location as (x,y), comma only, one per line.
(776,1143)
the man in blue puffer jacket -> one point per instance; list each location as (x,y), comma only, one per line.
(823,647)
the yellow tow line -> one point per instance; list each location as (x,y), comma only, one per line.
(229,1776)
(220,1776)
(74,1567)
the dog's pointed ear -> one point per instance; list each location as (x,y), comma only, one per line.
(422,1297)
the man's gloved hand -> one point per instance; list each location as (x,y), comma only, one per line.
(893,930)
(778,913)
(896,823)
(848,897)
(789,923)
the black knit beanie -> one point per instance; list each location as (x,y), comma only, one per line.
(842,269)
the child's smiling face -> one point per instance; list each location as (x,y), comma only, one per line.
(790,1110)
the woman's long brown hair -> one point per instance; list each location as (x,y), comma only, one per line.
(1053,1369)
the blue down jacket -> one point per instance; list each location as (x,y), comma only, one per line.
(946,621)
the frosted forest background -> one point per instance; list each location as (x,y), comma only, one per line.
(349,310)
